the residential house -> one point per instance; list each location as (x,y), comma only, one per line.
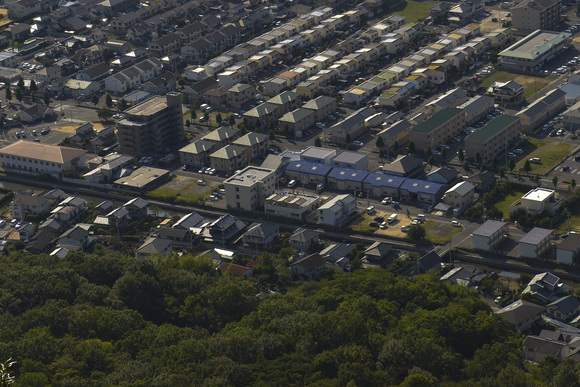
(75,238)
(24,204)
(337,211)
(303,239)
(464,275)
(309,268)
(545,288)
(537,201)
(155,246)
(222,230)
(240,94)
(489,235)
(236,270)
(260,235)
(508,93)
(522,315)
(460,195)
(378,254)
(568,250)
(536,242)
(564,308)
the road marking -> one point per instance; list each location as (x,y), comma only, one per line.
(574,171)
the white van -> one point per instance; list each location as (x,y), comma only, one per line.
(392,218)
(292,183)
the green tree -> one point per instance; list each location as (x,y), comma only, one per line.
(46,97)
(573,184)
(206,117)
(347,138)
(94,99)
(33,87)
(396,147)
(460,154)
(33,97)
(537,179)
(502,173)
(412,148)
(555,181)
(511,163)
(108,100)
(105,113)
(444,155)
(527,167)
(493,57)
(272,135)
(416,232)
(465,166)
(218,119)
(20,83)
(8,94)
(19,95)
(123,104)
(431,160)
(187,123)
(478,158)
(494,162)
(232,120)
(193,115)
(318,142)
(428,152)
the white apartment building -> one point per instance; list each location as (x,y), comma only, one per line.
(248,189)
(336,211)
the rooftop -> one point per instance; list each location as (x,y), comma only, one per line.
(317,152)
(535,44)
(437,120)
(492,128)
(249,176)
(489,228)
(538,194)
(41,151)
(536,235)
(308,168)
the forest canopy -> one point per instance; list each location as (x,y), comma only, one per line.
(99,320)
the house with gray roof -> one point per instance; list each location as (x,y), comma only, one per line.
(155,246)
(522,314)
(536,242)
(464,275)
(489,235)
(545,287)
(303,239)
(564,308)
(351,160)
(260,235)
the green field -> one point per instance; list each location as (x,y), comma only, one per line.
(574,225)
(504,205)
(413,11)
(549,153)
(531,84)
(440,233)
(184,190)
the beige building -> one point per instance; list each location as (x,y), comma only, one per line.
(222,136)
(151,126)
(35,158)
(508,93)
(476,108)
(321,106)
(542,110)
(256,144)
(460,195)
(229,158)
(531,15)
(297,121)
(438,129)
(534,51)
(197,153)
(294,206)
(240,94)
(494,138)
(248,189)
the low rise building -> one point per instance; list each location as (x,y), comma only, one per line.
(240,94)
(248,189)
(507,94)
(256,144)
(494,138)
(288,205)
(343,179)
(229,158)
(476,108)
(568,251)
(308,173)
(538,201)
(534,51)
(337,211)
(438,129)
(460,195)
(489,235)
(536,242)
(522,314)
(197,153)
(352,160)
(421,191)
(542,110)
(318,155)
(297,121)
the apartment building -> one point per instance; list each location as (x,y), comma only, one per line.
(294,206)
(532,52)
(531,15)
(494,138)
(249,188)
(438,129)
(151,126)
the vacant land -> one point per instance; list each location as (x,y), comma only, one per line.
(4,20)
(184,189)
(531,84)
(413,11)
(504,205)
(440,233)
(549,153)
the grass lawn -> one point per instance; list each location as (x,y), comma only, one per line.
(531,84)
(574,225)
(413,10)
(504,205)
(4,21)
(361,223)
(184,190)
(440,233)
(549,153)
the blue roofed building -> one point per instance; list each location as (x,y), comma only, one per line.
(345,179)
(308,173)
(380,185)
(421,191)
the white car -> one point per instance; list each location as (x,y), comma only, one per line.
(357,143)
(201,182)
(455,223)
(387,200)
(370,209)
(518,151)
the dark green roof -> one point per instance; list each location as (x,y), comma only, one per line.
(438,119)
(492,128)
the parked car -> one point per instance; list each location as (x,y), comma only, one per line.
(566,168)
(387,200)
(455,223)
(201,182)
(292,183)
(370,209)
(357,143)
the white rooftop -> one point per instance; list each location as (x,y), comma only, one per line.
(538,194)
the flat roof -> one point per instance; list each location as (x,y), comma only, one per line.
(142,177)
(536,235)
(538,194)
(492,128)
(437,120)
(489,228)
(249,176)
(151,106)
(349,157)
(535,44)
(317,152)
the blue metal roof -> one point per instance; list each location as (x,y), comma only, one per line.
(344,174)
(382,180)
(308,168)
(420,186)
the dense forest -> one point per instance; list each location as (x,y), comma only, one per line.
(102,320)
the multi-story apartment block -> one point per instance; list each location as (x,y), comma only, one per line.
(152,125)
(438,129)
(494,138)
(531,15)
(248,189)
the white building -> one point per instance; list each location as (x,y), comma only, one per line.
(248,189)
(489,235)
(295,206)
(317,155)
(537,201)
(568,250)
(460,195)
(337,211)
(535,242)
